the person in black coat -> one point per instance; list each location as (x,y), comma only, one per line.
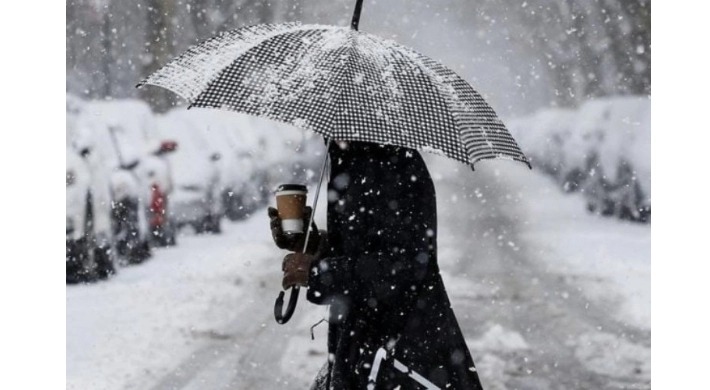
(391,322)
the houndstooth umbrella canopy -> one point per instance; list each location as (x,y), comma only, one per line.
(342,84)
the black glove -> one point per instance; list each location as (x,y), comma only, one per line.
(294,242)
(296,267)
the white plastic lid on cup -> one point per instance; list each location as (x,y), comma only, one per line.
(291,189)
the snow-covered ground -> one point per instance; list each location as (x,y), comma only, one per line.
(131,330)
(548,297)
(610,260)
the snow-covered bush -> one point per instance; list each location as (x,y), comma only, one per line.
(602,149)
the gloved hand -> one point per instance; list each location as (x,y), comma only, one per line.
(296,268)
(294,242)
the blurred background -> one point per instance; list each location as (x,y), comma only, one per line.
(553,291)
(522,55)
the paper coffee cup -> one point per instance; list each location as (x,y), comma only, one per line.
(291,204)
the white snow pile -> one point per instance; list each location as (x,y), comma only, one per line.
(602,149)
(498,338)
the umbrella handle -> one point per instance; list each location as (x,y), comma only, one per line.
(280,316)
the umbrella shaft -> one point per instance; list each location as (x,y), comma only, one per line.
(315,200)
(356,15)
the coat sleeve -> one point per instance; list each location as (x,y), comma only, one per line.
(399,255)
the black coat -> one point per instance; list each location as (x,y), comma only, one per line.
(380,276)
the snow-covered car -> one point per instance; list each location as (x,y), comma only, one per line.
(255,155)
(602,150)
(233,137)
(89,252)
(154,171)
(289,155)
(244,196)
(118,133)
(196,197)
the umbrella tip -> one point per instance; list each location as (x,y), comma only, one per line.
(356,15)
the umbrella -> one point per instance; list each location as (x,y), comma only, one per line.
(343,84)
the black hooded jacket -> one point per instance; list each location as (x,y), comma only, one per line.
(380,275)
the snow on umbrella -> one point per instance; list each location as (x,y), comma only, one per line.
(343,84)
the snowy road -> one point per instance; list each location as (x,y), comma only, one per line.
(540,328)
(547,299)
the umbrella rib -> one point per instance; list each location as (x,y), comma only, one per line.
(341,80)
(430,73)
(472,158)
